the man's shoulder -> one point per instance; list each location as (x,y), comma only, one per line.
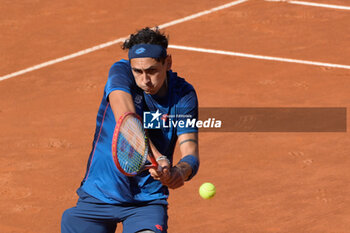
(120,78)
(185,94)
(120,68)
(181,85)
(121,64)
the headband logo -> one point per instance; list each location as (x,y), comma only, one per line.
(140,50)
(147,50)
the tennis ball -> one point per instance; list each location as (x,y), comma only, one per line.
(207,190)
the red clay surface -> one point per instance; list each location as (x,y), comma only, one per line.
(266,182)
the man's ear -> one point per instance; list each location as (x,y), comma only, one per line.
(169,62)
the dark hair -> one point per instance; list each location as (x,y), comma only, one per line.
(146,36)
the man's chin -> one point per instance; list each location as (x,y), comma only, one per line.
(149,92)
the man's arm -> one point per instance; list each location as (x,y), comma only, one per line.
(121,102)
(187,167)
(188,146)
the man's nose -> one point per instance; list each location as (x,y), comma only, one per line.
(146,78)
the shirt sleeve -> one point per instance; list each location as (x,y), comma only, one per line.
(120,77)
(188,112)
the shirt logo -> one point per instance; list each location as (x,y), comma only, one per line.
(140,50)
(138,99)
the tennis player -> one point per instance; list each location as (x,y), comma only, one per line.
(143,83)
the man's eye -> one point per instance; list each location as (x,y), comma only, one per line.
(152,71)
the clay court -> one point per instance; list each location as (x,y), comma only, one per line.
(266,181)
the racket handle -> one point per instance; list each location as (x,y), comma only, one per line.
(155,166)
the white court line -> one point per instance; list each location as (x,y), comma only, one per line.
(107,44)
(313,4)
(61,59)
(261,57)
(202,13)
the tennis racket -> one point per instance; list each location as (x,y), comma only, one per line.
(130,146)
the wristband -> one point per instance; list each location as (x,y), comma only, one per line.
(193,162)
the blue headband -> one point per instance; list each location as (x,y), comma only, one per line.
(147,50)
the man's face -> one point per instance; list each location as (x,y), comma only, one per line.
(150,75)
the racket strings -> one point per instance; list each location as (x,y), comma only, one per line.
(132,152)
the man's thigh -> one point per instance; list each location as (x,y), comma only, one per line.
(146,219)
(87,218)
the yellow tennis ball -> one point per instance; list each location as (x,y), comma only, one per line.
(207,190)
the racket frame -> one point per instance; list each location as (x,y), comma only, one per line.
(148,150)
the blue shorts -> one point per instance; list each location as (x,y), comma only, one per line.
(92,215)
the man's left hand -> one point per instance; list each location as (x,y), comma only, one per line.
(173,177)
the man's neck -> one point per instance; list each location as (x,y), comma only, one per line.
(163,91)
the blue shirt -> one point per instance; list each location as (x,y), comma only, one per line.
(102,179)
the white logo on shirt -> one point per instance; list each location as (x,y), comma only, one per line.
(138,99)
